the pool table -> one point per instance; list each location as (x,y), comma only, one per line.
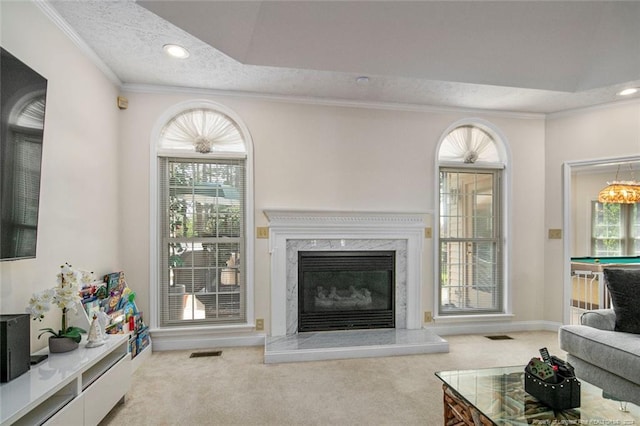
(586,277)
(597,264)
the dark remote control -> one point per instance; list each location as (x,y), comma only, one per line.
(544,352)
(37,359)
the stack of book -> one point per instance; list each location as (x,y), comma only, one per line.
(113,302)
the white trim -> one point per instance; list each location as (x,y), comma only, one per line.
(478,165)
(63,26)
(325,218)
(248,257)
(474,317)
(592,108)
(308,100)
(193,154)
(567,223)
(322,225)
(169,339)
(491,327)
(505,155)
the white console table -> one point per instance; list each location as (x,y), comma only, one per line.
(74,388)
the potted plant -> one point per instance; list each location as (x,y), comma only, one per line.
(66,296)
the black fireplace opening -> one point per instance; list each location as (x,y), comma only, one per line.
(343,290)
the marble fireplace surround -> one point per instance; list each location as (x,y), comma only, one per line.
(291,231)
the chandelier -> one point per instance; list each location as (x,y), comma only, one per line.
(621,191)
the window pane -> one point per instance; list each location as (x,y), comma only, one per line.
(607,231)
(469,277)
(467,210)
(204,237)
(470,265)
(634,222)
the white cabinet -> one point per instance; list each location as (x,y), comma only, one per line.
(101,395)
(70,414)
(74,388)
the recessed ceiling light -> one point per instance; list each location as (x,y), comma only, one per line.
(176,51)
(629,91)
(362,80)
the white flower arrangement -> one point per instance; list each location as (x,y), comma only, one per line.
(65,295)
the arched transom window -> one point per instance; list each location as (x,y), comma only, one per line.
(203,131)
(468,144)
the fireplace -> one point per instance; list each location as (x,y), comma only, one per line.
(341,290)
(293,231)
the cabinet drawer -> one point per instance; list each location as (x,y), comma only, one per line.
(106,391)
(71,414)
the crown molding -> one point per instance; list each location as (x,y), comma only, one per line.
(63,26)
(333,102)
(593,108)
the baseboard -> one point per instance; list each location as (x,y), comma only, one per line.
(206,341)
(192,339)
(478,327)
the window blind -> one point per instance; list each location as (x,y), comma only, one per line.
(202,230)
(471,266)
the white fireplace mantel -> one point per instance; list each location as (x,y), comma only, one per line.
(344,230)
(337,219)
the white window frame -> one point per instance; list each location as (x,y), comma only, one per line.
(156,238)
(505,197)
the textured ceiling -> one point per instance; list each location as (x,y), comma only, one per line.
(513,56)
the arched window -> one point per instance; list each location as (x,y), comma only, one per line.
(21,164)
(203,131)
(202,205)
(471,161)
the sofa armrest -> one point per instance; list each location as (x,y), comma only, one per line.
(603,319)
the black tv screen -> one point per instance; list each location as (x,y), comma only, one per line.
(23,94)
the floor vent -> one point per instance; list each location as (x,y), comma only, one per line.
(203,354)
(501,337)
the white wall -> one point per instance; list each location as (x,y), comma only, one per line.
(78,221)
(584,190)
(595,133)
(343,158)
(95,191)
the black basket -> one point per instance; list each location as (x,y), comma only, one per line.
(560,396)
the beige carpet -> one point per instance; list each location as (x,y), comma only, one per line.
(237,388)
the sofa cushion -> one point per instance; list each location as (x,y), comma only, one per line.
(614,351)
(624,287)
(604,319)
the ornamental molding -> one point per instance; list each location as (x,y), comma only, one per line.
(320,218)
(343,230)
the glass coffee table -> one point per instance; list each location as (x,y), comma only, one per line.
(496,396)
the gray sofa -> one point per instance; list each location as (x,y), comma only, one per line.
(606,358)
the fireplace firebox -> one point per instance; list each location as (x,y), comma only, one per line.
(342,290)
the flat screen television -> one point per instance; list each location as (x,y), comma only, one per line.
(23,94)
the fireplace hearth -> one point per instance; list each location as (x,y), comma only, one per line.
(342,290)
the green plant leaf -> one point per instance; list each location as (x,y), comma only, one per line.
(73,333)
(49,330)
